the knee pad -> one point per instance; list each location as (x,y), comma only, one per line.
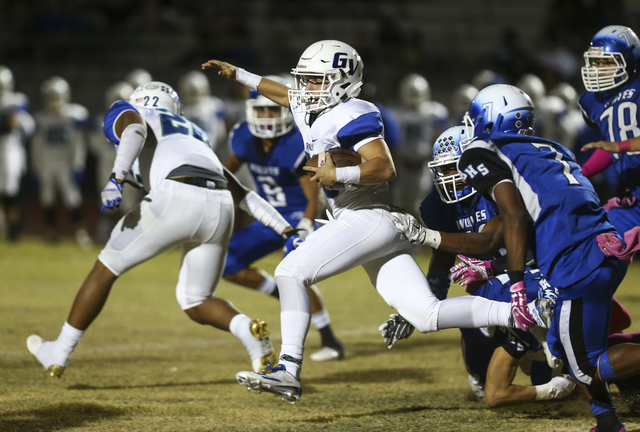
(605,369)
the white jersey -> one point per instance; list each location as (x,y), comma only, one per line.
(180,142)
(421,128)
(351,124)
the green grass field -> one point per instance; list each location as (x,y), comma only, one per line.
(144,366)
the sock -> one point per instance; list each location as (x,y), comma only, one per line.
(472,312)
(69,338)
(268,285)
(240,328)
(606,415)
(295,326)
(320,319)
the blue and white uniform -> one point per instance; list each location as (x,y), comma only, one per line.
(457,218)
(277,178)
(616,115)
(13,154)
(566,219)
(59,150)
(197,218)
(363,232)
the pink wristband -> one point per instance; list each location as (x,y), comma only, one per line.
(624,146)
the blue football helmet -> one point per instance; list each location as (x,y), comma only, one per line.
(499,108)
(446,153)
(619,48)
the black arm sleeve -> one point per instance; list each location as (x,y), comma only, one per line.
(483,169)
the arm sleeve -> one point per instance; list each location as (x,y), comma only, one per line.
(598,162)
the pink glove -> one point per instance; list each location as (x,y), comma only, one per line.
(471,270)
(616,202)
(521,315)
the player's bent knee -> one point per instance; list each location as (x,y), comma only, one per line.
(195,314)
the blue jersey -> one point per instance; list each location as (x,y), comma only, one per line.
(440,216)
(277,173)
(616,115)
(562,204)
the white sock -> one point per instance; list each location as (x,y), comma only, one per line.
(240,328)
(268,285)
(472,312)
(69,338)
(295,326)
(320,319)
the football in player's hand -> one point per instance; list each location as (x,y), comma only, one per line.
(341,158)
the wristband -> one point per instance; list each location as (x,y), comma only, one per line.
(247,78)
(624,146)
(516,276)
(348,175)
(431,238)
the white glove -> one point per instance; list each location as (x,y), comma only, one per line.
(415,232)
(394,329)
(329,218)
(557,388)
(111,195)
(307,227)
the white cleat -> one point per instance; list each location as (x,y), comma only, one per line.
(38,347)
(275,380)
(327,353)
(259,331)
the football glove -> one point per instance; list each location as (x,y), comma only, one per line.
(292,243)
(519,310)
(415,232)
(471,270)
(394,329)
(111,195)
(305,227)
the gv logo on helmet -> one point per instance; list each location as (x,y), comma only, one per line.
(340,62)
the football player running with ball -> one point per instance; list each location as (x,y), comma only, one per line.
(190,204)
(328,114)
(273,149)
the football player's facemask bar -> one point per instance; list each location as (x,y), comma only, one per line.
(612,58)
(446,153)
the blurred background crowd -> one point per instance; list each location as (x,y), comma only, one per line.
(65,61)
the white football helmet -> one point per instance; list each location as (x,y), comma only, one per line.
(138,77)
(267,127)
(446,153)
(56,93)
(337,65)
(414,90)
(193,87)
(6,80)
(533,86)
(567,93)
(156,94)
(119,91)
(461,99)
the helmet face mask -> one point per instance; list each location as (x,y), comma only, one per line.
(329,72)
(446,153)
(612,58)
(499,108)
(157,95)
(265,118)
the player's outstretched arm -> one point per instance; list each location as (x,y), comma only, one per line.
(632,144)
(279,93)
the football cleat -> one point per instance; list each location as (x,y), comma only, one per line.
(273,380)
(476,386)
(38,347)
(327,353)
(259,331)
